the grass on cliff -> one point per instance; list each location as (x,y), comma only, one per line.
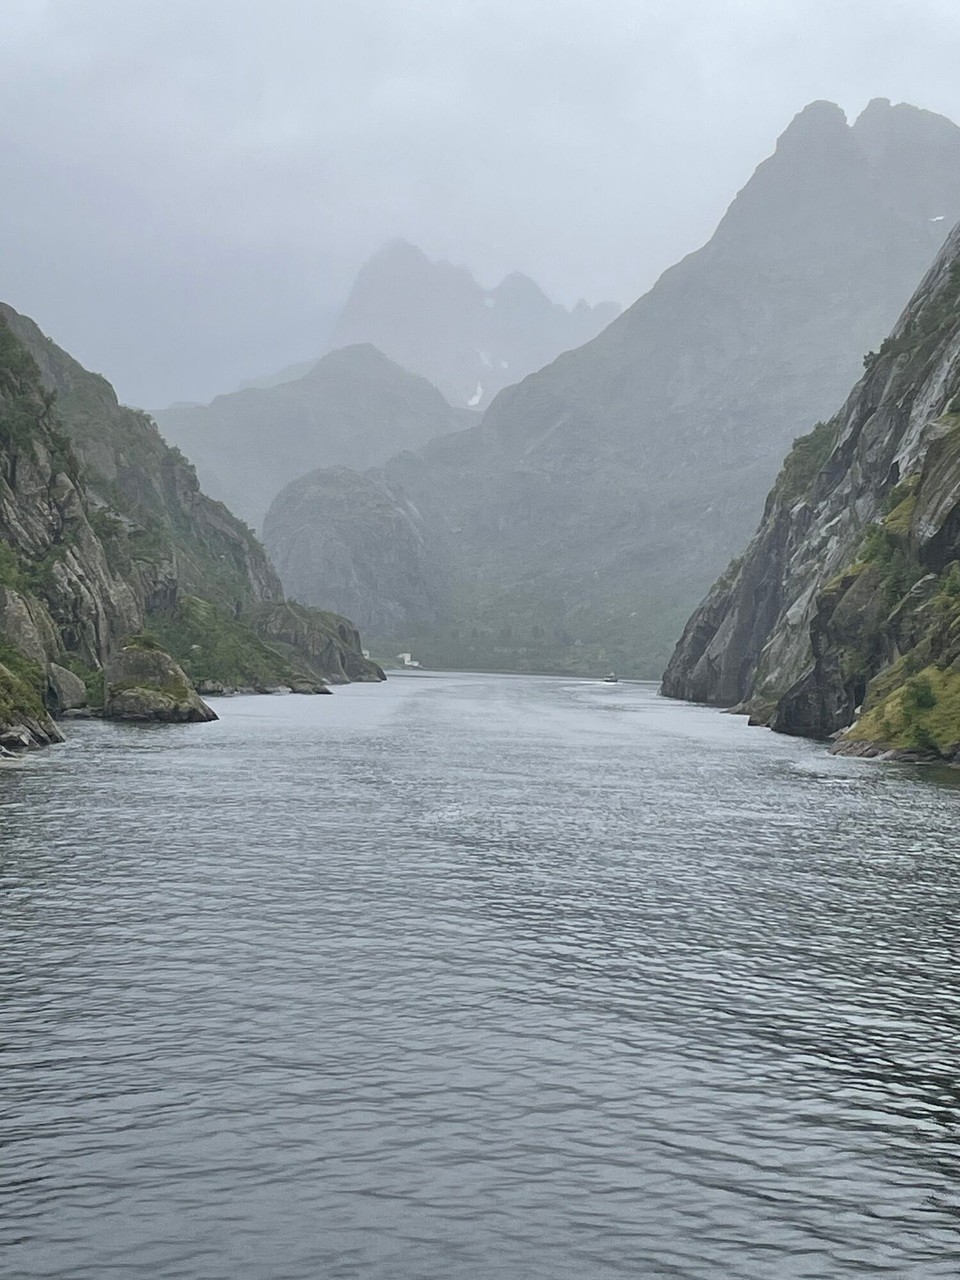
(886,546)
(921,714)
(210,645)
(22,686)
(914,705)
(805,460)
(175,690)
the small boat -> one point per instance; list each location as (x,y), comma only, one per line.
(611,678)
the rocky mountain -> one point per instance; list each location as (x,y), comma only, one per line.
(354,538)
(104,532)
(353,408)
(575,528)
(848,596)
(436,320)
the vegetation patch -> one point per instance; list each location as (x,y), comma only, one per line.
(805,461)
(143,640)
(22,686)
(10,575)
(920,714)
(900,506)
(175,690)
(210,645)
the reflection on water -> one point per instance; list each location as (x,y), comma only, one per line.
(473,976)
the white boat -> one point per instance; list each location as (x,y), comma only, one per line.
(611,678)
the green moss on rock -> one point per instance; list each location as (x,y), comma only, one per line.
(921,714)
(805,460)
(145,683)
(215,648)
(22,684)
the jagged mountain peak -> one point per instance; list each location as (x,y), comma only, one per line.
(818,122)
(435,319)
(518,285)
(882,118)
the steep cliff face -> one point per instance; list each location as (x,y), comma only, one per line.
(150,488)
(59,597)
(847,596)
(104,531)
(599,498)
(354,408)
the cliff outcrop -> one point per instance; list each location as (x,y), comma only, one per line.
(103,532)
(843,615)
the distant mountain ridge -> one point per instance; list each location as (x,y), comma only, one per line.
(581,521)
(436,320)
(354,408)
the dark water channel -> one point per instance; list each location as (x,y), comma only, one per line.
(468,977)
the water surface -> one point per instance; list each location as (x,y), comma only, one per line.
(474,976)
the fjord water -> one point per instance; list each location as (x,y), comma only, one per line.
(476,976)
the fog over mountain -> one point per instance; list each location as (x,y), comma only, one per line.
(471,342)
(190,189)
(582,520)
(353,408)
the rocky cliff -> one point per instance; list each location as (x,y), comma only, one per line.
(355,542)
(103,531)
(353,408)
(848,596)
(598,499)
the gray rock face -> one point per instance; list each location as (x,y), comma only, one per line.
(434,319)
(353,408)
(799,626)
(361,547)
(599,498)
(326,642)
(144,683)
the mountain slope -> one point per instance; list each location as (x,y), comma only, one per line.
(103,530)
(599,497)
(353,408)
(849,593)
(433,318)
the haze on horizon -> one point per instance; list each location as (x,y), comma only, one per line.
(190,189)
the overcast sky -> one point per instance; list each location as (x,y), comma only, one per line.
(188,186)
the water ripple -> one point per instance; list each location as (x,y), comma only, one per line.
(471,977)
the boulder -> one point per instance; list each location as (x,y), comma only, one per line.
(144,683)
(68,690)
(211,688)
